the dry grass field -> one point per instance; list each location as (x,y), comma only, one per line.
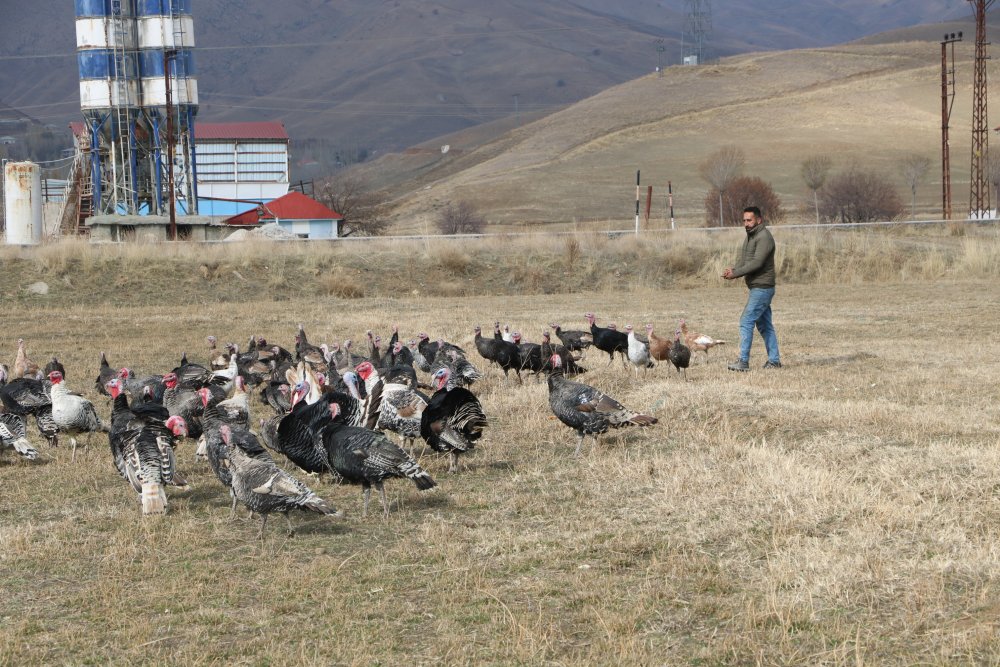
(842,510)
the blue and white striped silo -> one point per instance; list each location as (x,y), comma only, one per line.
(105,44)
(166,26)
(129,53)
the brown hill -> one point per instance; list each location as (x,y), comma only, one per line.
(367,76)
(870,104)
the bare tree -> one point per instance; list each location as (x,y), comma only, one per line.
(815,169)
(363,208)
(460,218)
(914,167)
(721,168)
(857,195)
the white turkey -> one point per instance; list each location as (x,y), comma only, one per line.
(264,488)
(587,410)
(25,367)
(638,352)
(72,413)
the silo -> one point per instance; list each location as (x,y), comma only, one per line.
(22,187)
(109,99)
(169,89)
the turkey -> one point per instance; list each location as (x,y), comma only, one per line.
(183,402)
(430,349)
(659,348)
(138,385)
(503,335)
(54,365)
(574,340)
(217,360)
(25,367)
(587,410)
(505,354)
(638,352)
(680,355)
(419,360)
(277,394)
(192,376)
(607,339)
(142,447)
(461,372)
(72,413)
(213,420)
(104,374)
(453,419)
(264,488)
(547,349)
(27,396)
(400,410)
(307,352)
(13,435)
(235,409)
(530,355)
(698,342)
(365,457)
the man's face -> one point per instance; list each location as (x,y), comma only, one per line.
(750,221)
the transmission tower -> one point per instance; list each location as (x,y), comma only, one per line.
(697,28)
(979,195)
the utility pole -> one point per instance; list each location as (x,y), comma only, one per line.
(979,194)
(168,55)
(659,57)
(947,102)
(517,114)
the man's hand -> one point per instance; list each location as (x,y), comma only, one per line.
(728,274)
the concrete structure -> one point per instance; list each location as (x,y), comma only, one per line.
(154,228)
(22,187)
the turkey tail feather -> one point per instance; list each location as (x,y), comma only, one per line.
(643,420)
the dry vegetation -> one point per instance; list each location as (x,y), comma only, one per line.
(841,510)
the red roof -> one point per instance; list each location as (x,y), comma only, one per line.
(274,129)
(293,206)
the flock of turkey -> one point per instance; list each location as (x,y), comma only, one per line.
(331,408)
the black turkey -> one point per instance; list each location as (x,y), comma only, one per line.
(365,457)
(608,339)
(104,374)
(264,488)
(27,396)
(142,447)
(453,420)
(575,340)
(506,355)
(587,410)
(680,355)
(13,434)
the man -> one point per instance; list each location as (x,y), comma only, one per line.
(756,266)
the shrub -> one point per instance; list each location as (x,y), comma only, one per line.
(857,195)
(742,192)
(460,218)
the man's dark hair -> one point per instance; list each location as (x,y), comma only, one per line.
(754,210)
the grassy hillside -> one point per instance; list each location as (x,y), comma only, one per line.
(860,104)
(843,510)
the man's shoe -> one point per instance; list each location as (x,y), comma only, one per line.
(739,365)
(772,364)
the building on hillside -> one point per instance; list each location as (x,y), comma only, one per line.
(294,212)
(239,163)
